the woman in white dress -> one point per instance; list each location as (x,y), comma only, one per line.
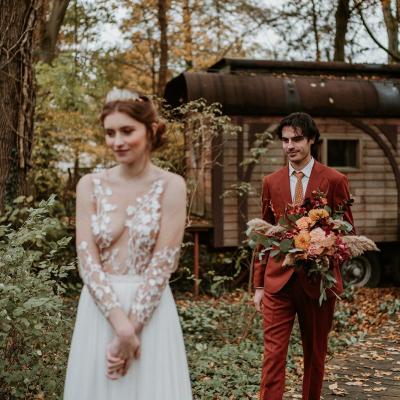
(127,342)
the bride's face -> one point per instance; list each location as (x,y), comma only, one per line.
(126,137)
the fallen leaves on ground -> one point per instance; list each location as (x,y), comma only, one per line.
(364,348)
(365,331)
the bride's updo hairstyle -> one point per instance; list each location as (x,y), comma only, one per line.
(138,107)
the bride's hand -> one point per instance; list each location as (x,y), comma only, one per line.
(120,357)
(121,352)
(124,347)
(115,364)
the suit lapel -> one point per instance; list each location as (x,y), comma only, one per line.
(284,186)
(316,178)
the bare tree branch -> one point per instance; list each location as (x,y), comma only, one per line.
(394,56)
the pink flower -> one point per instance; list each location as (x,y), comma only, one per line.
(317,235)
(321,243)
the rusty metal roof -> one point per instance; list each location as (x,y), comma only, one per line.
(238,65)
(284,90)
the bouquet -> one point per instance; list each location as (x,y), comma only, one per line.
(310,236)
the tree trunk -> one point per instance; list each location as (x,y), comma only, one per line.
(218,16)
(187,34)
(17,95)
(163,25)
(52,28)
(342,19)
(392,29)
(316,33)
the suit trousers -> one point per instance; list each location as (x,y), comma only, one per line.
(315,322)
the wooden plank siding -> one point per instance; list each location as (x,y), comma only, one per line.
(230,204)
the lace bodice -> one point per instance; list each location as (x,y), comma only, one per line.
(125,239)
(142,223)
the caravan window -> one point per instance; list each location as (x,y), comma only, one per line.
(342,153)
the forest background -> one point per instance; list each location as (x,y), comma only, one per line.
(58,58)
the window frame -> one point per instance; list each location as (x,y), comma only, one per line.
(343,137)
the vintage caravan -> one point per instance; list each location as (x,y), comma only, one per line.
(357,109)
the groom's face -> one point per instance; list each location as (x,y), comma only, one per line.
(296,146)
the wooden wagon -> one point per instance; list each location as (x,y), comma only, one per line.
(357,109)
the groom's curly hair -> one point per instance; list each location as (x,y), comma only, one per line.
(303,123)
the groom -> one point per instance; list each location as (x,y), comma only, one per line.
(280,292)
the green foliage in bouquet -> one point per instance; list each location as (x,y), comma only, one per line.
(33,323)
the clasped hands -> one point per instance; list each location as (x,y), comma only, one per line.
(124,347)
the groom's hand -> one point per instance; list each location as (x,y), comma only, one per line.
(258,295)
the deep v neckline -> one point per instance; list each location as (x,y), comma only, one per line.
(105,204)
(133,204)
(139,200)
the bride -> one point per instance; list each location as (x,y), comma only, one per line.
(127,342)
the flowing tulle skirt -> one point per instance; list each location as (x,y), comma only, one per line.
(160,373)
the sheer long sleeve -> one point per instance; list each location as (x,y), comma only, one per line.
(165,255)
(90,267)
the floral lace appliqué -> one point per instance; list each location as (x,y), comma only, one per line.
(101,220)
(143,218)
(156,277)
(96,280)
(143,224)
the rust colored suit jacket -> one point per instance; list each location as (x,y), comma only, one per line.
(269,273)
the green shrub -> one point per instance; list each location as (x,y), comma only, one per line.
(220,271)
(34,323)
(224,345)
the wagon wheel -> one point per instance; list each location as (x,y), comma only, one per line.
(361,271)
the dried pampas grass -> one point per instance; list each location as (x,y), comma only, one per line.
(359,244)
(258,224)
(264,227)
(275,229)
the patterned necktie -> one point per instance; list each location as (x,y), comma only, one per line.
(298,191)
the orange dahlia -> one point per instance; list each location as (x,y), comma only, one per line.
(317,214)
(302,240)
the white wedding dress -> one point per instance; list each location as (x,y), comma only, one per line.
(125,260)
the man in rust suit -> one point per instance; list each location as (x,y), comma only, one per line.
(281,292)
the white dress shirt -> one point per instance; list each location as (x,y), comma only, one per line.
(304,181)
